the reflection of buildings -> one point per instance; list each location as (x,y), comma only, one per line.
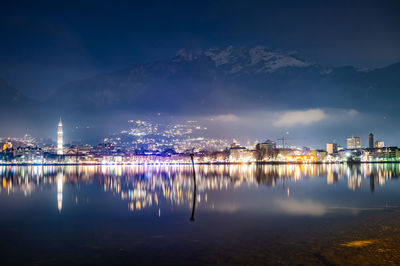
(165,186)
(354,178)
(60,183)
(332,175)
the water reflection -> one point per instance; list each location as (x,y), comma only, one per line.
(168,186)
(60,183)
(194,188)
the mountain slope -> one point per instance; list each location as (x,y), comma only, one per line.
(215,81)
(18,113)
(228,80)
(189,81)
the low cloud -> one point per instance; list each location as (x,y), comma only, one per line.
(294,118)
(352,112)
(295,207)
(228,118)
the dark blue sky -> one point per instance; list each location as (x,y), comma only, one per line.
(45,44)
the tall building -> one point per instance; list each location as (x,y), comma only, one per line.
(371,140)
(379,144)
(60,141)
(331,148)
(353,143)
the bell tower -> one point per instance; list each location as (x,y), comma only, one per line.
(60,141)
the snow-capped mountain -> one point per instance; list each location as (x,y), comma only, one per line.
(227,79)
(259,59)
(210,82)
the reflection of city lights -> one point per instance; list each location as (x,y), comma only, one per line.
(151,186)
(60,183)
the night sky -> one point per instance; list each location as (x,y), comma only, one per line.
(48,43)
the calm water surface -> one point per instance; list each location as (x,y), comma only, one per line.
(247,214)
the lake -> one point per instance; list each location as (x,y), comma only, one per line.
(233,214)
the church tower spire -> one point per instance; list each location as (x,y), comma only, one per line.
(60,141)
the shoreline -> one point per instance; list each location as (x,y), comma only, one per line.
(197,163)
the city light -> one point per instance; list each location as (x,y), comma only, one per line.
(175,151)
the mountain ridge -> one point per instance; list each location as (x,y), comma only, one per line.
(220,79)
(216,81)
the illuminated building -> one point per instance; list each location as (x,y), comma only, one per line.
(371,140)
(9,145)
(318,155)
(60,141)
(331,148)
(383,154)
(301,158)
(267,145)
(391,153)
(379,144)
(353,143)
(239,154)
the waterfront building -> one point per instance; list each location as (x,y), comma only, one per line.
(265,151)
(331,148)
(266,145)
(354,143)
(239,154)
(382,154)
(371,140)
(379,144)
(318,155)
(32,155)
(60,140)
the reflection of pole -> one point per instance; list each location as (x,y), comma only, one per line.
(372,182)
(195,188)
